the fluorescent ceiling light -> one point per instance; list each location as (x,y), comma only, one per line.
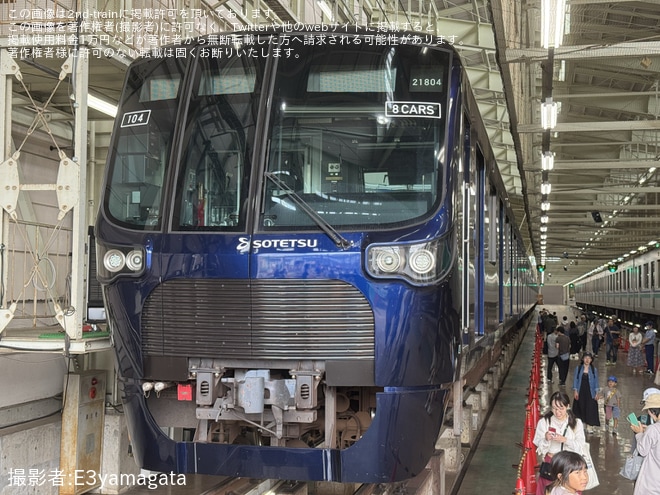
(552,22)
(546,188)
(101,105)
(547,160)
(548,114)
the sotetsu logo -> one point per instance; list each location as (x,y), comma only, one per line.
(244,243)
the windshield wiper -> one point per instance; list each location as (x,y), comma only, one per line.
(336,237)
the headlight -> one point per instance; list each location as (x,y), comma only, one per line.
(422,261)
(388,260)
(129,260)
(135,260)
(114,260)
(419,264)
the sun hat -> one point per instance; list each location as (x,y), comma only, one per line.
(612,379)
(649,391)
(652,402)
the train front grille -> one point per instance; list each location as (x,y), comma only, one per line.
(265,319)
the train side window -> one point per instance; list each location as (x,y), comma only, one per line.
(652,284)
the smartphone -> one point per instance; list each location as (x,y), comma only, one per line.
(632,419)
(552,431)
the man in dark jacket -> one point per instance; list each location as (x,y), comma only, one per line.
(564,350)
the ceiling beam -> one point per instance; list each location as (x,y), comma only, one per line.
(583,52)
(557,190)
(581,220)
(594,2)
(627,125)
(557,207)
(603,164)
(600,94)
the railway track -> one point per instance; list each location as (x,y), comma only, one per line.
(248,486)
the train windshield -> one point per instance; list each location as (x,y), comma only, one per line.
(140,153)
(357,132)
(218,144)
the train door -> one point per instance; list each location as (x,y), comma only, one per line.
(474,234)
(500,262)
(211,216)
(479,237)
(491,265)
(467,268)
(508,266)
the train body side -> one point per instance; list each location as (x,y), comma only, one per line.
(631,290)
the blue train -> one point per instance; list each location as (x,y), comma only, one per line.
(298,235)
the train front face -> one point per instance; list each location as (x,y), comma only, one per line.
(276,245)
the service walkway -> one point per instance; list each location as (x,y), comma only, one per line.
(491,471)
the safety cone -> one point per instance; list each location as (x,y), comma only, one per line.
(530,425)
(537,372)
(536,412)
(525,427)
(528,469)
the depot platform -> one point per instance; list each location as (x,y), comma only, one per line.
(492,467)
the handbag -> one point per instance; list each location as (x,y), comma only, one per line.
(545,472)
(631,467)
(591,470)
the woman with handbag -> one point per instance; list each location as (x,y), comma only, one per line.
(556,431)
(648,446)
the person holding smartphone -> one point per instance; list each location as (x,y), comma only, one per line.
(556,431)
(648,446)
(645,418)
